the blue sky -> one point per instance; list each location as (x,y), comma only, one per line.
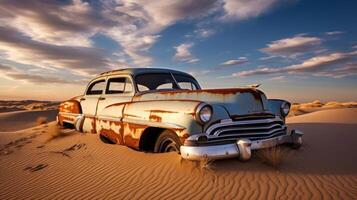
(298,50)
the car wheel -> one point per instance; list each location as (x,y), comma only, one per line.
(167,141)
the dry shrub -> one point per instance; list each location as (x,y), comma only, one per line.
(41,120)
(273,156)
(205,164)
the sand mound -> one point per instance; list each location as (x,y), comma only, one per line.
(304,108)
(341,116)
(10,106)
(18,120)
(82,167)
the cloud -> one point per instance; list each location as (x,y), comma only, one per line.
(183,53)
(236,10)
(349,69)
(323,64)
(278,78)
(205,33)
(52,22)
(142,21)
(234,62)
(334,33)
(292,47)
(199,72)
(133,24)
(21,49)
(15,74)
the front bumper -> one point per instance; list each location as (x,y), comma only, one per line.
(241,149)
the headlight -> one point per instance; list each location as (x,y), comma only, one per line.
(204,113)
(285,108)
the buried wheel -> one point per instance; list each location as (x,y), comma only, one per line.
(167,142)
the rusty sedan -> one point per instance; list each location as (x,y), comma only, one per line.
(163,110)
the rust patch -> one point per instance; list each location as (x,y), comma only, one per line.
(212,91)
(113,136)
(160,111)
(182,136)
(131,115)
(70,106)
(155,118)
(224,91)
(132,133)
(93,124)
(61,118)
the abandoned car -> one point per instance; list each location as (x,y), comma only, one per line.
(163,110)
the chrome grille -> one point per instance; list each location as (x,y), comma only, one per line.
(251,129)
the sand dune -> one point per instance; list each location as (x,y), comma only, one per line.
(304,108)
(18,120)
(82,167)
(10,106)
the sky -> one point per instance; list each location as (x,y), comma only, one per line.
(299,50)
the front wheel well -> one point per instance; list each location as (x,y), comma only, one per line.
(148,138)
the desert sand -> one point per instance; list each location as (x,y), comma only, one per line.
(81,166)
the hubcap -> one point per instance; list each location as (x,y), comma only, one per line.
(168,145)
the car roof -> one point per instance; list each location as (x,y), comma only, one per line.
(137,71)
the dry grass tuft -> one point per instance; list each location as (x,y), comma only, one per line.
(41,120)
(274,156)
(206,164)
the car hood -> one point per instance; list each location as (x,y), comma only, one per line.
(235,101)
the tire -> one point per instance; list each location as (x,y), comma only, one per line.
(167,141)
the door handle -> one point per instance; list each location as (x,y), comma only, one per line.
(82,99)
(101,98)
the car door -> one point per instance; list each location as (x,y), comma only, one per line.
(119,89)
(89,101)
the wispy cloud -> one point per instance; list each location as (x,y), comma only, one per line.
(278,78)
(183,53)
(292,47)
(334,32)
(18,75)
(334,63)
(21,49)
(235,62)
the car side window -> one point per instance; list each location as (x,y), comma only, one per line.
(96,88)
(119,86)
(186,82)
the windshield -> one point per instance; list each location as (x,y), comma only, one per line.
(164,81)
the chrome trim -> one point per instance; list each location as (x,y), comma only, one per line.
(251,135)
(78,123)
(225,123)
(279,127)
(242,148)
(197,112)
